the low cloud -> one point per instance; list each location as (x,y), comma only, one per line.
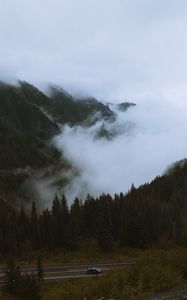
(153,136)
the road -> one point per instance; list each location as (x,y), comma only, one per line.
(77,271)
(68,271)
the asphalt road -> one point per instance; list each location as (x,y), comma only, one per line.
(68,271)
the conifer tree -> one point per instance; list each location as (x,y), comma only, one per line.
(74,225)
(104,224)
(35,229)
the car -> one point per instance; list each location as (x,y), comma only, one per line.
(93,271)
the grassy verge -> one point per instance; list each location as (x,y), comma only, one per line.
(150,275)
(87,253)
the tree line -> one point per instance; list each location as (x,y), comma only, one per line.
(140,218)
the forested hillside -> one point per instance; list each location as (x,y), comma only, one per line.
(151,216)
(64,108)
(28,122)
(24,131)
(141,218)
(25,127)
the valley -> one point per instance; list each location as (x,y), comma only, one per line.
(36,218)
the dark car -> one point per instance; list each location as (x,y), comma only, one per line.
(93,271)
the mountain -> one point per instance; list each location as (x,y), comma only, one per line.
(24,135)
(84,111)
(65,109)
(125,105)
(24,130)
(174,166)
(26,126)
(28,121)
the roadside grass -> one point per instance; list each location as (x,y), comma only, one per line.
(157,269)
(137,282)
(87,253)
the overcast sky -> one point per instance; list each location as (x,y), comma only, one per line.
(111,49)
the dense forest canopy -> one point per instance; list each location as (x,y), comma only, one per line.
(141,218)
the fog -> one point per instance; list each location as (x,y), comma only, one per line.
(150,137)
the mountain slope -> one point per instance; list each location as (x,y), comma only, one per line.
(28,122)
(24,130)
(65,109)
(24,134)
(78,111)
(125,105)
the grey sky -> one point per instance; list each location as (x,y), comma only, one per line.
(112,49)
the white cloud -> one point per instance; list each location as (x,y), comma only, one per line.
(140,153)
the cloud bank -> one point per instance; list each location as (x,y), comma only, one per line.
(151,136)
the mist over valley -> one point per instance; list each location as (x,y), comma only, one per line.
(84,146)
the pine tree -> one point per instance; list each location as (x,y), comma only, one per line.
(57,221)
(23,223)
(74,225)
(65,220)
(35,229)
(104,224)
(46,224)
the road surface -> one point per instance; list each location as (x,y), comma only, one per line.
(68,271)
